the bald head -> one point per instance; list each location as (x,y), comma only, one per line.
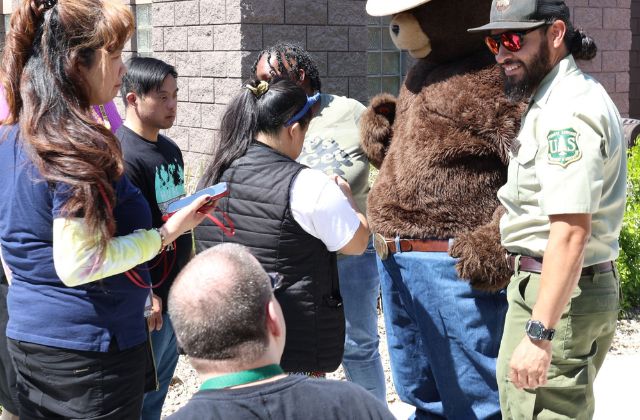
(218,305)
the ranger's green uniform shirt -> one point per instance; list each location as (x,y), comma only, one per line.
(569,157)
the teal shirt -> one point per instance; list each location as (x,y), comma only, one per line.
(569,158)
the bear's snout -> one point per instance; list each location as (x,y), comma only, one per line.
(407,34)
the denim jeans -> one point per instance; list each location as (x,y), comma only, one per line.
(443,337)
(360,287)
(165,353)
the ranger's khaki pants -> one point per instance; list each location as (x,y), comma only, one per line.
(583,337)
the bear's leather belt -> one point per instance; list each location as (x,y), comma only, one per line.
(384,247)
(534,265)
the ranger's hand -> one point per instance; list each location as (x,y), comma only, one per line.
(530,363)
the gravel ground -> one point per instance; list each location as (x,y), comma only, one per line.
(185,382)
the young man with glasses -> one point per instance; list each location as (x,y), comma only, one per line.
(564,197)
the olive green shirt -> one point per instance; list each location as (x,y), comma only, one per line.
(332,144)
(569,158)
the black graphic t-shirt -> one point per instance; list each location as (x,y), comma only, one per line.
(157,169)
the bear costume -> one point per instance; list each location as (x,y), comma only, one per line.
(442,150)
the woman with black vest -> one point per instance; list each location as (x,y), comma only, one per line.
(293,218)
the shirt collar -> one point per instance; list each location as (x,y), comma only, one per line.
(565,67)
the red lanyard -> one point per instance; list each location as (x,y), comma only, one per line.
(133,275)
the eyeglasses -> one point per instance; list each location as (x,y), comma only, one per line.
(276,280)
(511,40)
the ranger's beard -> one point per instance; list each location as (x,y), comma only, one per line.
(519,89)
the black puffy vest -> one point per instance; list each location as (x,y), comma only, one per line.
(258,204)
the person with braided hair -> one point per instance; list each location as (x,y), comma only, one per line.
(564,200)
(293,219)
(75,234)
(332,145)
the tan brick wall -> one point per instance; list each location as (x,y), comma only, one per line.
(608,22)
(213,44)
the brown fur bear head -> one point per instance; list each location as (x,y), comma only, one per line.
(435,29)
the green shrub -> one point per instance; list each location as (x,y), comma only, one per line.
(629,259)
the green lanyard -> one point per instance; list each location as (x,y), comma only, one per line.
(242,377)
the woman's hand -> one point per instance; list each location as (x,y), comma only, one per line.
(154,321)
(360,239)
(187,218)
(344,186)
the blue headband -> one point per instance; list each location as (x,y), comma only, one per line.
(311,100)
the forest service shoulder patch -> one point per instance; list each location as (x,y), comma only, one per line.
(563,147)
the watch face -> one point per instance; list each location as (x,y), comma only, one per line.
(535,329)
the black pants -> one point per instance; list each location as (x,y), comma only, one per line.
(55,383)
(8,390)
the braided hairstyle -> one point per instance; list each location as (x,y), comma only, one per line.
(290,58)
(48,43)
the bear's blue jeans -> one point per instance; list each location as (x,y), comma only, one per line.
(360,288)
(165,353)
(443,337)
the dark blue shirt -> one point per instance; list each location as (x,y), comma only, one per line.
(42,309)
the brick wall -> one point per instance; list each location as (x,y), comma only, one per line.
(213,44)
(609,23)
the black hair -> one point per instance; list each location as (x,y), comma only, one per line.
(578,43)
(144,75)
(250,113)
(296,59)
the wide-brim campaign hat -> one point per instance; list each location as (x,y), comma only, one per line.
(523,14)
(390,7)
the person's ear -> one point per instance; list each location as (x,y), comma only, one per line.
(557,31)
(132,99)
(302,75)
(274,322)
(295,129)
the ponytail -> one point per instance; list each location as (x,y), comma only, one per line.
(254,110)
(24,24)
(237,131)
(578,43)
(582,46)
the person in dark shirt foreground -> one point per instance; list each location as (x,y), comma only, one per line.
(229,323)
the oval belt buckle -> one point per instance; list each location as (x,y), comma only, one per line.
(380,244)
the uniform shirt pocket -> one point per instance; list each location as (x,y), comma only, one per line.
(522,170)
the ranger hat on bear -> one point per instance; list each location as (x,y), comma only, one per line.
(523,14)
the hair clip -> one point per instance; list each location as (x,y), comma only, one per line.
(259,90)
(311,100)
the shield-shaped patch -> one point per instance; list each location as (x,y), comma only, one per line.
(563,147)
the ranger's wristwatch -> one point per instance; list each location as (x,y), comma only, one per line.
(536,331)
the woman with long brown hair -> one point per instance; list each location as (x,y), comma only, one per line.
(74,232)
